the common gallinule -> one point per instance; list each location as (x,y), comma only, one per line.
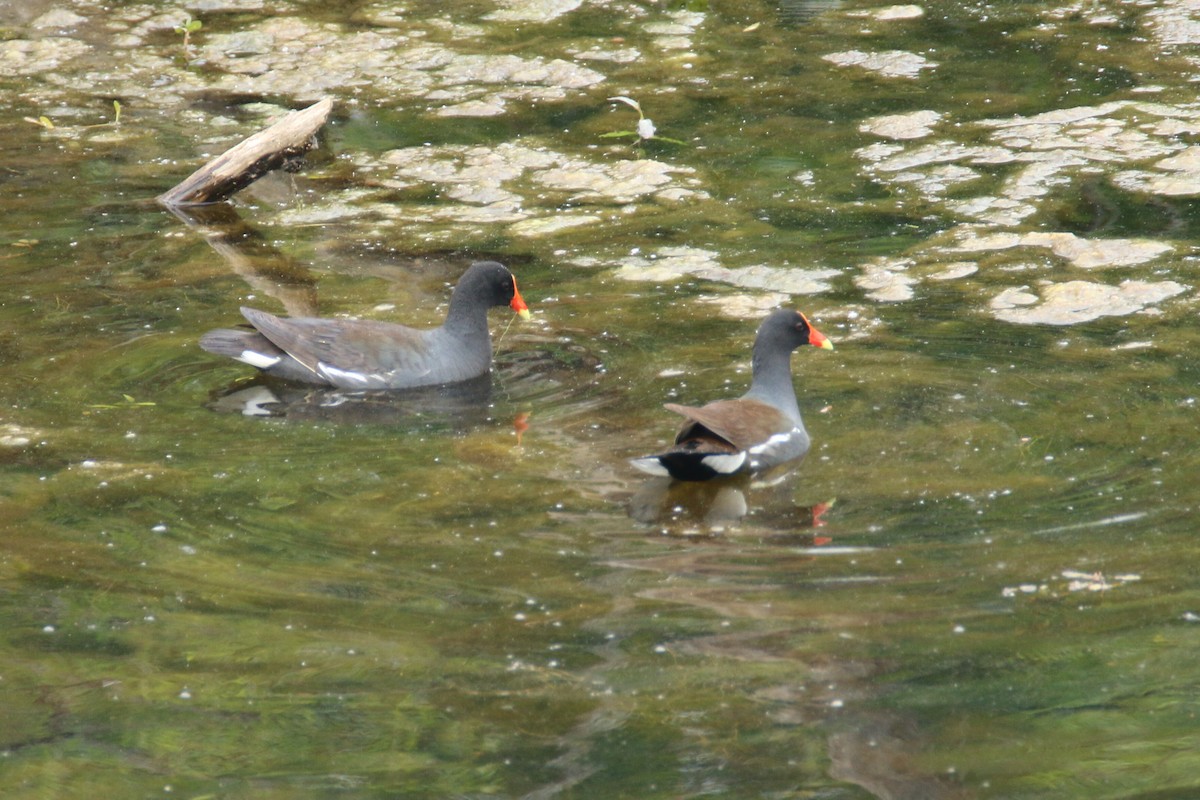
(760,429)
(363,354)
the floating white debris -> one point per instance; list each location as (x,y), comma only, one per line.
(746,306)
(16,436)
(913,125)
(672,263)
(1073,302)
(533,10)
(957,269)
(1024,588)
(890,13)
(486,107)
(1095,581)
(625,55)
(1082,253)
(888,64)
(545,226)
(30,57)
(886,281)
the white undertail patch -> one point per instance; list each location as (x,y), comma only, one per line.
(724,463)
(650,465)
(259,360)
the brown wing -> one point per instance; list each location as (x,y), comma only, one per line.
(742,423)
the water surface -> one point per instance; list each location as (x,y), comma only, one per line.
(978,583)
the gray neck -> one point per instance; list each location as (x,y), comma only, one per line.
(467,316)
(772,379)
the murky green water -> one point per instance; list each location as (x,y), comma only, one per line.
(979,584)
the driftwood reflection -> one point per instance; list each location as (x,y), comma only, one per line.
(251,257)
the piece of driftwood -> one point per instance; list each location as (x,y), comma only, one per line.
(249,160)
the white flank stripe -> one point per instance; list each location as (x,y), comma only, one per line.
(341,375)
(259,360)
(779,438)
(650,465)
(726,464)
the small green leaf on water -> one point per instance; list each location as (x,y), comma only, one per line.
(276,503)
(130,400)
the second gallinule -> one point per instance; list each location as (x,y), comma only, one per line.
(760,429)
(363,354)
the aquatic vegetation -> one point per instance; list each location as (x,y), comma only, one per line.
(186,29)
(645,131)
(41,121)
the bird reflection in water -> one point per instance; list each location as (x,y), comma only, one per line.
(689,508)
(456,405)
